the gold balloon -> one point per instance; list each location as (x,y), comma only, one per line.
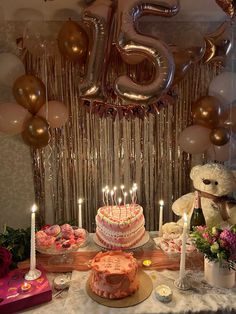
(30,92)
(207,111)
(218,44)
(219,136)
(73,41)
(228,6)
(36,132)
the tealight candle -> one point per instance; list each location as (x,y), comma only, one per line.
(163,293)
(61,282)
(147,262)
(25,286)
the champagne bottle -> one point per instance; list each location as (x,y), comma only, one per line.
(197,218)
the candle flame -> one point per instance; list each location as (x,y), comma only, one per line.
(122,187)
(134,188)
(80,201)
(103,190)
(135,185)
(106,187)
(185,218)
(119,200)
(125,193)
(112,192)
(33,208)
(161,202)
(115,188)
(131,192)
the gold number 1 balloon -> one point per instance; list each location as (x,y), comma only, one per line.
(129,42)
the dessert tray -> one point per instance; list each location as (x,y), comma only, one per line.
(144,291)
(139,244)
(171,244)
(60,240)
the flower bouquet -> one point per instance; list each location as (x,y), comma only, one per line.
(219,248)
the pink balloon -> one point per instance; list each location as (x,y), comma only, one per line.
(57,114)
(222,153)
(12,118)
(195,139)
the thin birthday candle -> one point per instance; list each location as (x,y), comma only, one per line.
(125,195)
(112,200)
(103,196)
(115,189)
(119,202)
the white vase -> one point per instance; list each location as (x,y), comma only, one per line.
(218,274)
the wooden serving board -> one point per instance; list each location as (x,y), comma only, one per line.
(80,261)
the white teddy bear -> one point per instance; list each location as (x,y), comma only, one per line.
(215,183)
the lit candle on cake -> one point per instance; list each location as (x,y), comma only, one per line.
(125,195)
(163,293)
(119,202)
(135,192)
(122,189)
(107,195)
(33,272)
(183,248)
(161,203)
(115,189)
(131,192)
(80,201)
(103,196)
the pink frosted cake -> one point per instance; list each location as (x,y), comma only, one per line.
(114,275)
(120,227)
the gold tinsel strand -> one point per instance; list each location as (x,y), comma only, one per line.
(90,152)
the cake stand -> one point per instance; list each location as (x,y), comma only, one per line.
(62,256)
(144,291)
(139,244)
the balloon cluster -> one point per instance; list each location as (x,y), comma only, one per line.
(214,118)
(31,114)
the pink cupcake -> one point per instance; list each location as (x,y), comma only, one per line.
(67,231)
(53,230)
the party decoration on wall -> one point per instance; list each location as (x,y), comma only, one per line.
(222,153)
(12,118)
(230,121)
(207,111)
(36,133)
(55,112)
(98,17)
(218,44)
(223,87)
(219,136)
(194,139)
(11,68)
(41,38)
(183,62)
(30,92)
(228,6)
(129,40)
(73,41)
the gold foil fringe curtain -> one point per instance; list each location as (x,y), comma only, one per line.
(90,153)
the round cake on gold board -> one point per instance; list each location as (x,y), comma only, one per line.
(139,244)
(144,291)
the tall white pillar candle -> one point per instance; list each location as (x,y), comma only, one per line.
(183,247)
(32,241)
(161,203)
(80,201)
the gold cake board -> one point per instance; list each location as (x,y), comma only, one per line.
(144,291)
(139,244)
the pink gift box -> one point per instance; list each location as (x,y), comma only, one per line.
(15,297)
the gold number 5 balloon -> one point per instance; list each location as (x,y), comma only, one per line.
(129,41)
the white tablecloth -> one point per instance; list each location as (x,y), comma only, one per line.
(200,299)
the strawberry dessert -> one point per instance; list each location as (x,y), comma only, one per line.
(56,239)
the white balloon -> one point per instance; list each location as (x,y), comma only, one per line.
(11,67)
(223,87)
